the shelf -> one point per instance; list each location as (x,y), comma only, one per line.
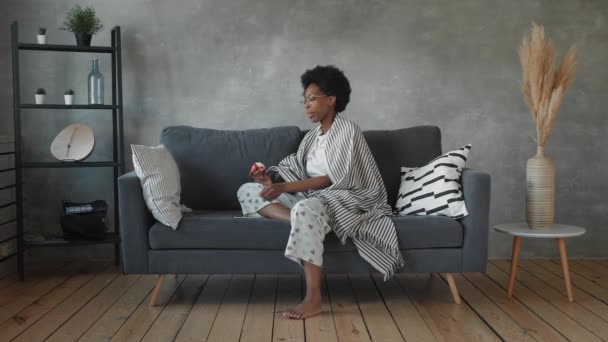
(110,238)
(6,205)
(68,164)
(9,238)
(114,106)
(64,106)
(7,222)
(69,48)
(7,257)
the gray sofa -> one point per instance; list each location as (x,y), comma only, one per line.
(214,163)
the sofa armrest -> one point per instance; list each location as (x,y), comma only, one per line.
(476,190)
(135,222)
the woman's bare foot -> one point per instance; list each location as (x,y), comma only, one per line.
(308,308)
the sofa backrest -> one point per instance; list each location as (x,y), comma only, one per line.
(214,163)
(409,147)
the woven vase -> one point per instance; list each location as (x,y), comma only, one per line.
(540,192)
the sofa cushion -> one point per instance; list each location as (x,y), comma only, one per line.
(435,188)
(160,183)
(409,147)
(213,164)
(221,230)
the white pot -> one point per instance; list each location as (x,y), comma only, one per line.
(69,99)
(41,38)
(39,98)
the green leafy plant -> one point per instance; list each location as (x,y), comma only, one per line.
(42,30)
(40,91)
(81,19)
(69,92)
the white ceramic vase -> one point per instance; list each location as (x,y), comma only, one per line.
(69,99)
(41,38)
(540,191)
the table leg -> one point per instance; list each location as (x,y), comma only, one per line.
(514,260)
(561,243)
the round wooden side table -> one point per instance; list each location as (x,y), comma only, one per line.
(521,230)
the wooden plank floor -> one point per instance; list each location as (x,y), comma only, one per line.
(94,301)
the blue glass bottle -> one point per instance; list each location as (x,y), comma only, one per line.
(95,84)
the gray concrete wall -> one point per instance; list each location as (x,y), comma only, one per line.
(235,64)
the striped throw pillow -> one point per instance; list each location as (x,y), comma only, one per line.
(159,177)
(434,189)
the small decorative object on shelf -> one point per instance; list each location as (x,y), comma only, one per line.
(69,97)
(95,84)
(40,93)
(73,143)
(83,22)
(41,37)
(544,86)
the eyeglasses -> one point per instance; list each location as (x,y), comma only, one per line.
(311,98)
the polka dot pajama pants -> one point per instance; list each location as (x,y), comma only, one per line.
(309,221)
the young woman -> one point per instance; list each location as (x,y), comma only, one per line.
(331,183)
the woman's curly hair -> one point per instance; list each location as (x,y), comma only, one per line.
(331,81)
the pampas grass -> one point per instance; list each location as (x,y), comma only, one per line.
(544,84)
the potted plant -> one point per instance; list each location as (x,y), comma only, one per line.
(40,95)
(69,97)
(83,22)
(41,37)
(544,86)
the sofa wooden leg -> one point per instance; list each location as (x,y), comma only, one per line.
(156,292)
(453,288)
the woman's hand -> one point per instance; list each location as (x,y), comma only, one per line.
(261,176)
(272,191)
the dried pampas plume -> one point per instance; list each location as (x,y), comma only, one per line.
(544,84)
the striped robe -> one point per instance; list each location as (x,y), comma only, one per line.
(357,198)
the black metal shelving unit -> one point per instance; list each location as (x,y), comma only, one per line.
(117,164)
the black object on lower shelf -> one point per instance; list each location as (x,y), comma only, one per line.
(84,220)
(110,238)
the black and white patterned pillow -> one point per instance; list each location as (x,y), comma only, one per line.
(434,189)
(160,182)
